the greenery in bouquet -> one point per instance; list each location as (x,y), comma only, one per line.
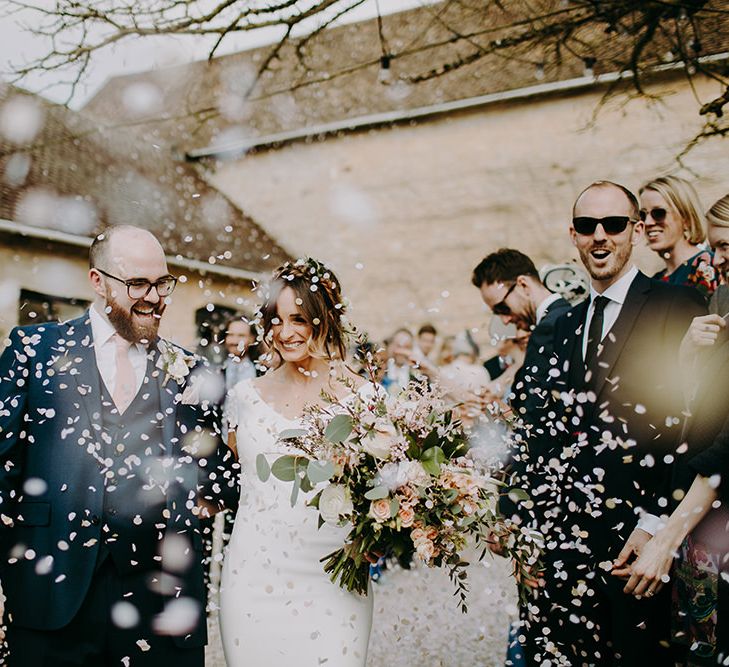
(397,469)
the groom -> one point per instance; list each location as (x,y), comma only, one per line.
(108,448)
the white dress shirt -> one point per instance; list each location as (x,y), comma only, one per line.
(542,307)
(615,294)
(105,350)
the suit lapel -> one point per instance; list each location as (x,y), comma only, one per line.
(576,373)
(78,349)
(614,341)
(168,389)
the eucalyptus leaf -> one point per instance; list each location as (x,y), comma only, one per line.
(262,468)
(319,471)
(306,485)
(394,507)
(338,429)
(433,454)
(432,459)
(431,467)
(292,433)
(284,468)
(518,494)
(314,502)
(295,490)
(377,493)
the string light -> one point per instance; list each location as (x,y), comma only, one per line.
(589,63)
(385,73)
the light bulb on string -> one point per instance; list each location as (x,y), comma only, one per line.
(384,76)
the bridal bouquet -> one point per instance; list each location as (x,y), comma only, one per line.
(397,470)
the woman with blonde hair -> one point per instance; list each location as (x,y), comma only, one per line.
(674,226)
(696,535)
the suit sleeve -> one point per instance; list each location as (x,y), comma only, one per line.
(14,379)
(685,303)
(715,460)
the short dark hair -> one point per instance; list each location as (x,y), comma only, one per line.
(632,199)
(427,329)
(504,265)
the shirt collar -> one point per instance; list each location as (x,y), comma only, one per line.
(101,329)
(542,307)
(619,289)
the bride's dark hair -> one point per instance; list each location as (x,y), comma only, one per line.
(319,297)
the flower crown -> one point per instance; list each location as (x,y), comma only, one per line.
(315,273)
(310,270)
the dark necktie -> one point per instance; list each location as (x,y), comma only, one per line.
(594,333)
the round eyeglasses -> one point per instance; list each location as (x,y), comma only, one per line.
(139,288)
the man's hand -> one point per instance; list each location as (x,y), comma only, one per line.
(651,569)
(495,544)
(622,565)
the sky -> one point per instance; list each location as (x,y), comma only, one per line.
(18,46)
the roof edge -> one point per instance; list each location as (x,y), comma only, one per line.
(392,117)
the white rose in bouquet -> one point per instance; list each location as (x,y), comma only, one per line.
(335,503)
(379,442)
(394,475)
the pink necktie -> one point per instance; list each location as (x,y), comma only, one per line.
(125,380)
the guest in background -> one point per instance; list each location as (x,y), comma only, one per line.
(399,361)
(464,379)
(403,364)
(445,354)
(427,337)
(674,226)
(240,341)
(697,532)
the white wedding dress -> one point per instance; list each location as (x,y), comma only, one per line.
(277,605)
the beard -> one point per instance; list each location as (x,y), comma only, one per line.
(609,268)
(128,327)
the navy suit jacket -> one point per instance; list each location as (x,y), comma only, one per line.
(51,474)
(613,436)
(527,398)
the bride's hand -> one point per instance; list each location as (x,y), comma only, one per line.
(650,570)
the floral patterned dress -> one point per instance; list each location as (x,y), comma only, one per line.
(697,271)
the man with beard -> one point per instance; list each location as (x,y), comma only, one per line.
(108,450)
(614,423)
(510,286)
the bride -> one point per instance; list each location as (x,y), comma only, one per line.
(277,606)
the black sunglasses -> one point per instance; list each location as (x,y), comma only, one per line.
(501,308)
(658,214)
(614,224)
